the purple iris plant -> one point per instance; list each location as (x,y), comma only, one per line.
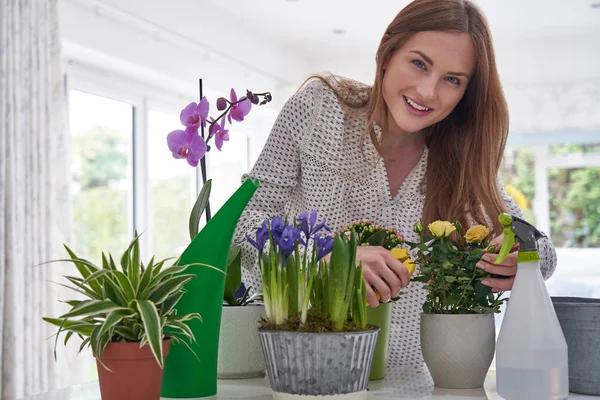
(324,245)
(240,110)
(277,227)
(194,115)
(287,240)
(187,144)
(308,223)
(262,235)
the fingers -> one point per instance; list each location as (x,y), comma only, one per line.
(397,268)
(390,278)
(508,267)
(371,297)
(499,285)
(372,279)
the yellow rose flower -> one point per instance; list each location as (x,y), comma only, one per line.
(476,234)
(410,266)
(440,229)
(399,254)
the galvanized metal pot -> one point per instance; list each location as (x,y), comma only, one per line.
(580,322)
(319,364)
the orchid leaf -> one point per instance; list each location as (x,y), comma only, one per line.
(198,209)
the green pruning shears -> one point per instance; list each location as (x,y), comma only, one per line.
(519,230)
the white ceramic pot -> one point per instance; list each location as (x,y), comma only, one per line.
(240,352)
(458,349)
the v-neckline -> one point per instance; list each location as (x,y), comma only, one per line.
(405,185)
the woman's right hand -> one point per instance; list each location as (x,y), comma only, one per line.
(383,271)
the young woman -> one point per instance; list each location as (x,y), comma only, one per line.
(425,141)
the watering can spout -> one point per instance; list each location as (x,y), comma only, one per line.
(188,375)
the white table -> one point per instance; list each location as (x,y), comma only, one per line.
(397,385)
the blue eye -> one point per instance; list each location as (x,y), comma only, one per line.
(420,64)
(453,79)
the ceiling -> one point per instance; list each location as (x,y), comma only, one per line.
(536,40)
(308,25)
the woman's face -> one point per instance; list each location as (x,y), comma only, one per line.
(426,78)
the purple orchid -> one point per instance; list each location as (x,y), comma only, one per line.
(187,144)
(240,110)
(194,115)
(220,133)
(324,245)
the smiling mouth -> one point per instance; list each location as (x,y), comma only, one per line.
(415,105)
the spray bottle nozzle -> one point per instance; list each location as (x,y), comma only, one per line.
(517,230)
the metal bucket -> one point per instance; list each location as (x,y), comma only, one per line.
(580,321)
(323,364)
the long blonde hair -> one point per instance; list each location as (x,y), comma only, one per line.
(465,148)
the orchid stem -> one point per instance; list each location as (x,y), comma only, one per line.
(203,159)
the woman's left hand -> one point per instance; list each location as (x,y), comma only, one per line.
(507,268)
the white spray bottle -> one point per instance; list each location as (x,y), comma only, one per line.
(531,351)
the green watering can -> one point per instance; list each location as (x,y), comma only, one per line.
(188,376)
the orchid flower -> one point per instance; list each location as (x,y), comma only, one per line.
(187,144)
(220,133)
(240,110)
(194,115)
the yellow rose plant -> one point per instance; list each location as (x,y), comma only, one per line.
(447,268)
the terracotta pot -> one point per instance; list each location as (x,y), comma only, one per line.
(135,373)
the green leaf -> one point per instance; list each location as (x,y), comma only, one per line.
(91,308)
(152,327)
(426,308)
(376,239)
(146,276)
(126,333)
(79,283)
(134,267)
(170,302)
(450,279)
(113,318)
(125,284)
(83,344)
(198,209)
(84,267)
(481,291)
(234,274)
(105,263)
(95,276)
(114,292)
(76,290)
(183,328)
(291,278)
(168,287)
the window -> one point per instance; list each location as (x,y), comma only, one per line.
(226,167)
(101,131)
(172,187)
(517,175)
(575,206)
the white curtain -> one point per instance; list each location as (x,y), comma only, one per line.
(34,192)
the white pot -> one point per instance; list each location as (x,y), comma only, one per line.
(458,349)
(240,353)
